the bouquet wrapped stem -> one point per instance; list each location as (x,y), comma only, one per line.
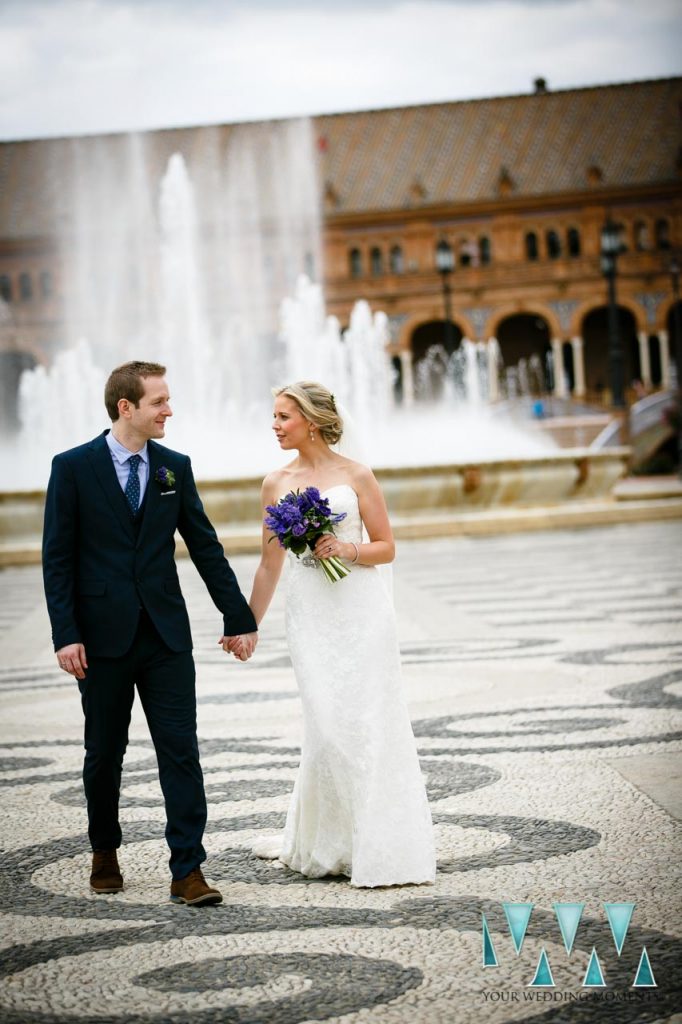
(334,568)
(298,520)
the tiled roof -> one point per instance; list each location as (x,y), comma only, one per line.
(456,152)
(392,159)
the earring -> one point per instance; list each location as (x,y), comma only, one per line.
(312,434)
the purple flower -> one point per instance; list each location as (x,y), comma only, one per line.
(309,499)
(298,519)
(165,478)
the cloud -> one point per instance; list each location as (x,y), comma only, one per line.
(73,66)
(221,7)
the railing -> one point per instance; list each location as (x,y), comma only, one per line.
(642,415)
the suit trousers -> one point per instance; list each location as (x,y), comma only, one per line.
(165,682)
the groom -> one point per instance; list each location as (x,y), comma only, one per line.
(119,619)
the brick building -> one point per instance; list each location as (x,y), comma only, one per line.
(517,187)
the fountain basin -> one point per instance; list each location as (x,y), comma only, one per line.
(566,487)
(547,480)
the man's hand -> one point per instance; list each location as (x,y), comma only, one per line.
(72,660)
(241,646)
(234,645)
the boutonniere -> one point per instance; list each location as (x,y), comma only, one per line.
(165,478)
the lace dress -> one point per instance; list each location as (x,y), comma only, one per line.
(359,805)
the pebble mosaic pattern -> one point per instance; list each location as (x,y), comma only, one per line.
(539,669)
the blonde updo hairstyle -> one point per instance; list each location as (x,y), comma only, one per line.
(317,405)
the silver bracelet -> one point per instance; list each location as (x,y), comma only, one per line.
(357,552)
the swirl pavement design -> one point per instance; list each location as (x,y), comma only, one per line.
(544,674)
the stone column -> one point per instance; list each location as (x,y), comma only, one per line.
(666,380)
(644,361)
(493,354)
(408,378)
(559,375)
(578,367)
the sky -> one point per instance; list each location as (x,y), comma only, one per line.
(71,67)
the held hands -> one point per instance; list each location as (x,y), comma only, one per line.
(242,646)
(72,659)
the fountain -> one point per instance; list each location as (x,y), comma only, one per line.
(186,264)
(206,264)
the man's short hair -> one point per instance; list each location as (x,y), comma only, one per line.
(126,381)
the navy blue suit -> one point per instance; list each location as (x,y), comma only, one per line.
(111,583)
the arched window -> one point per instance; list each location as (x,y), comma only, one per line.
(376,258)
(46,284)
(355,263)
(485,252)
(642,242)
(662,234)
(25,286)
(465,253)
(5,288)
(573,240)
(553,244)
(531,246)
(623,235)
(397,260)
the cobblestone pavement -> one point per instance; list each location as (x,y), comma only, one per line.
(544,673)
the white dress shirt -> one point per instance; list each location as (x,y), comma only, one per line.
(120,456)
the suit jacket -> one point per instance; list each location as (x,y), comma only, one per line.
(98,569)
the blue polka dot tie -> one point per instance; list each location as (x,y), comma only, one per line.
(132,491)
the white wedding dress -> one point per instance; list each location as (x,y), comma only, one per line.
(359,805)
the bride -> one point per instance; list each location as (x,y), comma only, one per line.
(359,805)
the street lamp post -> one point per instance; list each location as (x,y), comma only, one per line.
(677,332)
(611,248)
(445,264)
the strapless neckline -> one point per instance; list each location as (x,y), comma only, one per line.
(335,487)
(326,490)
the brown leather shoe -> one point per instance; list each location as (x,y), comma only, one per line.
(194,891)
(106,876)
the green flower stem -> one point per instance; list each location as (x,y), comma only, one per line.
(334,569)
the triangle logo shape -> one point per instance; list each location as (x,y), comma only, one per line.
(489,955)
(543,973)
(594,976)
(645,976)
(619,915)
(518,916)
(568,915)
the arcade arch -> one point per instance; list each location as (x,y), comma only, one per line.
(525,347)
(12,365)
(595,334)
(432,343)
(536,311)
(673,323)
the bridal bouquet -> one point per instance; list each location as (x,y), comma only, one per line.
(298,520)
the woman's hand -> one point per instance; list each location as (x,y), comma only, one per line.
(241,646)
(328,545)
